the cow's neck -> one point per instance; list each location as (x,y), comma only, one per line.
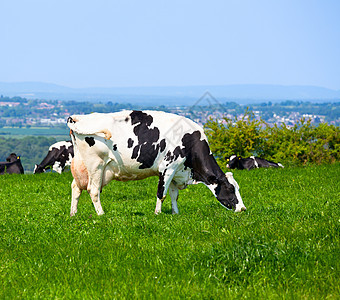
(207,171)
(200,159)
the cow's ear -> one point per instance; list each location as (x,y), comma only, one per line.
(18,157)
(239,158)
(227,159)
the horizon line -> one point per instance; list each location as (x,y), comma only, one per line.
(170,86)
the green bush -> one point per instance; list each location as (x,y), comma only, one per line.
(301,144)
(242,137)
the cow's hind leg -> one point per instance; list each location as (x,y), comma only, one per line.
(94,188)
(76,192)
(163,185)
(173,192)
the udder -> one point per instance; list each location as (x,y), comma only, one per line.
(79,172)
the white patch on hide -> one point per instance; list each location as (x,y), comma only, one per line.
(57,167)
(239,206)
(255,162)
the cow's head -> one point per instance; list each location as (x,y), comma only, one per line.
(232,162)
(12,157)
(227,193)
(38,169)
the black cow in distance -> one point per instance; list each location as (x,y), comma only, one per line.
(12,165)
(252,162)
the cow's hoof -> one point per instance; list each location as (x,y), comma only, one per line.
(243,208)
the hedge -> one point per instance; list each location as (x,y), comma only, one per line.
(301,144)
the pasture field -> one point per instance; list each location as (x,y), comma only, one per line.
(16,132)
(285,246)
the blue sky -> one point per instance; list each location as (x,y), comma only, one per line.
(106,43)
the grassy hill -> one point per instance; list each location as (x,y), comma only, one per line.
(286,245)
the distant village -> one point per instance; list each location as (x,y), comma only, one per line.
(21,112)
(287,118)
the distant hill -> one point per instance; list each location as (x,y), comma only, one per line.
(243,94)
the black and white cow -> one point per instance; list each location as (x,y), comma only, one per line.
(12,165)
(252,162)
(132,145)
(59,156)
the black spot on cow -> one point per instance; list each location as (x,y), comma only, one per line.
(199,158)
(134,153)
(114,147)
(138,116)
(168,156)
(90,141)
(161,183)
(162,145)
(171,157)
(127,119)
(178,152)
(147,148)
(130,142)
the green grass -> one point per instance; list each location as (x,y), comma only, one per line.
(285,246)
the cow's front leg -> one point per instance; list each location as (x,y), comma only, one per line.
(163,185)
(159,203)
(76,192)
(95,196)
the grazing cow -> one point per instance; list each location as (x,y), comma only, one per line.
(12,165)
(132,145)
(59,156)
(237,162)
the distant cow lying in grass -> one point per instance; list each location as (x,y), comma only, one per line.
(252,162)
(132,145)
(59,156)
(12,165)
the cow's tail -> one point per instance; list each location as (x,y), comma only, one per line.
(73,138)
(280,165)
